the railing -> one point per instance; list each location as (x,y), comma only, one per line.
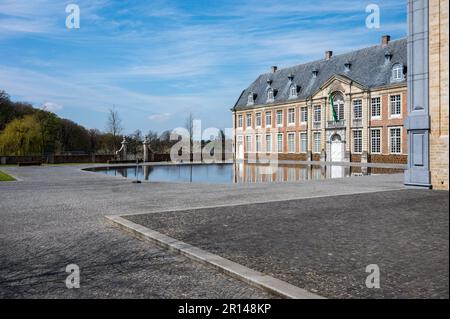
(317,125)
(336,124)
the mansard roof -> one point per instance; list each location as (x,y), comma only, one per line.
(368,67)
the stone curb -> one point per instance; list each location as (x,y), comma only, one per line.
(235,270)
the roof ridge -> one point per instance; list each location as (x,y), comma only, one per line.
(337,55)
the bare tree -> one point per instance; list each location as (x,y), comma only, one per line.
(189,126)
(114,126)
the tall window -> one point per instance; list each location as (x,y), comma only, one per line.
(338,103)
(279,118)
(304,114)
(375,107)
(357,141)
(395,140)
(396,105)
(258,119)
(303,142)
(397,72)
(248,143)
(316,148)
(258,143)
(291,142)
(317,114)
(268,119)
(249,120)
(280,142)
(268,143)
(240,120)
(375,140)
(357,109)
(291,116)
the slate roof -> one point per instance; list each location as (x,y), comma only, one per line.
(368,68)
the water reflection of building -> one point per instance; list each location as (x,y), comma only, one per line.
(244,172)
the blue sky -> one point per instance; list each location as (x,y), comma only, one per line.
(158,60)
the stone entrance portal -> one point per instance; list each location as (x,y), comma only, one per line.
(337,148)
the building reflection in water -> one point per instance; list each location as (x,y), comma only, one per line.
(257,173)
(243,172)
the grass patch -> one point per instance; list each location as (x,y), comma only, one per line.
(5,177)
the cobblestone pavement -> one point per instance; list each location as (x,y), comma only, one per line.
(54,216)
(324,244)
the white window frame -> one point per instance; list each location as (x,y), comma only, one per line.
(278,142)
(240,123)
(376,117)
(293,91)
(258,144)
(354,105)
(381,140)
(301,142)
(390,106)
(270,117)
(250,99)
(282,118)
(315,109)
(390,139)
(248,117)
(291,121)
(397,70)
(289,150)
(304,115)
(248,143)
(270,95)
(319,145)
(258,116)
(360,144)
(269,149)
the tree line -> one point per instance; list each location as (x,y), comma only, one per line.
(26,130)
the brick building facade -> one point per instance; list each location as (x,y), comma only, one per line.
(289,112)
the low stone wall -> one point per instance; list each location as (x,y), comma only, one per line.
(56,159)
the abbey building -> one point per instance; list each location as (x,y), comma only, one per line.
(348,107)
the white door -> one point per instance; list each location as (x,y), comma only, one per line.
(336,150)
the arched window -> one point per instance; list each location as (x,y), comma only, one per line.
(397,72)
(338,104)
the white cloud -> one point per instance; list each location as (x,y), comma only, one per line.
(159,117)
(52,107)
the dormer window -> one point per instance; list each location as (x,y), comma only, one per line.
(250,98)
(347,66)
(270,95)
(315,72)
(397,72)
(387,57)
(293,91)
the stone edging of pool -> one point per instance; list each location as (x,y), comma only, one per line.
(228,267)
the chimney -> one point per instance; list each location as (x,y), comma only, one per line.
(328,55)
(385,40)
(274,68)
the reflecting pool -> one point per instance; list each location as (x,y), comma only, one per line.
(239,172)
